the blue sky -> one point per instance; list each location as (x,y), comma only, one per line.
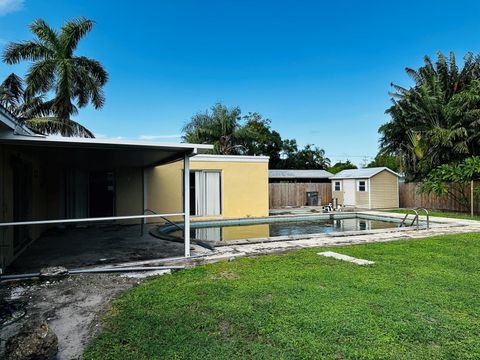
(320,70)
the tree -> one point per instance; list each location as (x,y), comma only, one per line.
(452,179)
(383,159)
(32,111)
(311,157)
(75,81)
(339,166)
(436,120)
(258,138)
(219,127)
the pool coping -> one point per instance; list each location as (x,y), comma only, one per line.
(372,215)
(199,256)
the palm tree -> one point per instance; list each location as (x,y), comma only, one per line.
(76,81)
(219,127)
(436,120)
(34,112)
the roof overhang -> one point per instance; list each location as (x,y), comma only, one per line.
(102,153)
(8,122)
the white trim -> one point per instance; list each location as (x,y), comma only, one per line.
(186,204)
(89,142)
(367,183)
(230,158)
(398,193)
(353,176)
(340,182)
(369,196)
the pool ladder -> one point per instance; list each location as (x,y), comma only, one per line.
(416,218)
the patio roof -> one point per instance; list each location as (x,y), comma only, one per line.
(103,153)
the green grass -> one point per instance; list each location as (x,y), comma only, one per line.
(439,213)
(419,301)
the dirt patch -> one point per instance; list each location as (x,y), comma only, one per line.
(72,307)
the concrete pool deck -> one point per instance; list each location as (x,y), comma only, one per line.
(264,246)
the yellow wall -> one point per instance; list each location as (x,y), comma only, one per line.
(129,193)
(244,188)
(384,190)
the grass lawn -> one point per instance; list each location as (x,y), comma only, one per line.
(440,214)
(419,301)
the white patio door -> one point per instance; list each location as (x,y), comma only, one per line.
(349,192)
(207,193)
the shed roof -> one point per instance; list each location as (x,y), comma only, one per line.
(304,174)
(361,173)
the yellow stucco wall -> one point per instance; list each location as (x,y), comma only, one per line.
(129,193)
(384,190)
(244,188)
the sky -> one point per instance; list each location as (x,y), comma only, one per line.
(320,70)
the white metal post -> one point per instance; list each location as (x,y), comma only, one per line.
(145,192)
(186,203)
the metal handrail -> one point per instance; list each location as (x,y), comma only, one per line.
(162,217)
(427,214)
(415,218)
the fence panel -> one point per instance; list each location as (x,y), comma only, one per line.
(410,197)
(295,194)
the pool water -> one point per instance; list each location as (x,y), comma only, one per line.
(272,229)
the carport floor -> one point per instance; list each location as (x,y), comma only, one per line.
(96,245)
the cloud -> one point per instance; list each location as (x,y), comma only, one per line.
(9,6)
(156,137)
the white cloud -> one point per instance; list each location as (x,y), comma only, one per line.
(9,6)
(156,137)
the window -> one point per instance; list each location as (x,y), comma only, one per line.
(362,185)
(205,193)
(338,186)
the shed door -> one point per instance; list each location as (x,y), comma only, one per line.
(349,192)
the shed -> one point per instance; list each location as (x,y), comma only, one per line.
(370,188)
(299,176)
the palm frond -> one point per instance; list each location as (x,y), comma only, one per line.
(56,126)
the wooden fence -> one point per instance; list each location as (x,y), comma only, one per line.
(295,194)
(410,197)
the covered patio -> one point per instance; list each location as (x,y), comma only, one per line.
(80,202)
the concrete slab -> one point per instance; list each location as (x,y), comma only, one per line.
(346,258)
(96,246)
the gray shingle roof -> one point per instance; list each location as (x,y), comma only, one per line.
(293,174)
(361,173)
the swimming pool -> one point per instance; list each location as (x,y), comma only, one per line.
(228,230)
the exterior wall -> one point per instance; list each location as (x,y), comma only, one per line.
(337,194)
(362,197)
(244,188)
(129,193)
(384,190)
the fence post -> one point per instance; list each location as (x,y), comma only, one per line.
(471,198)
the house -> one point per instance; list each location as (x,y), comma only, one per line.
(299,176)
(370,188)
(221,187)
(77,183)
